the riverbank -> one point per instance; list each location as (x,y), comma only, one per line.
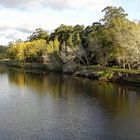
(124,76)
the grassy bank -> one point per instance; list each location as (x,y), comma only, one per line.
(125,76)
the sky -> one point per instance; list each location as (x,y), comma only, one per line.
(19,18)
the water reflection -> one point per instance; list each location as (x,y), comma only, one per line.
(112,97)
(61,107)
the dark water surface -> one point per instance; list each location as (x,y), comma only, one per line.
(55,107)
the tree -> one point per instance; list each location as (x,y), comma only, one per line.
(125,38)
(27,51)
(111,14)
(51,55)
(63,33)
(39,34)
(127,42)
(100,46)
(114,40)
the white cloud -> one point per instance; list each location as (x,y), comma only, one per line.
(20,3)
(21,17)
(94,5)
(57,4)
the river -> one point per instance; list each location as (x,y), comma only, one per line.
(59,107)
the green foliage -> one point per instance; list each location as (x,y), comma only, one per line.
(51,54)
(113,41)
(38,34)
(105,74)
(111,14)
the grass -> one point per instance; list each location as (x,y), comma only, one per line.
(132,71)
(105,74)
(89,67)
(109,69)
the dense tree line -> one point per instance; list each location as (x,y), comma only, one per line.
(112,41)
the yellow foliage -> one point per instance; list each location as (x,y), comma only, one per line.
(27,50)
(53,46)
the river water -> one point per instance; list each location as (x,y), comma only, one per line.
(59,107)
